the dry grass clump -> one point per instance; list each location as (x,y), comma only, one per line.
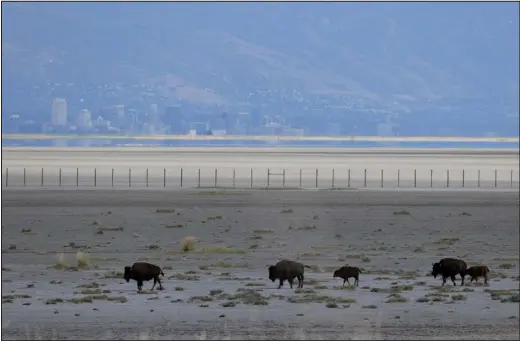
(82,260)
(188,244)
(100,227)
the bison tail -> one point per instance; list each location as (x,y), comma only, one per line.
(487,269)
(359,270)
(310,267)
(162,273)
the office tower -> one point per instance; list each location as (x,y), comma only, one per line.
(154,118)
(59,112)
(84,120)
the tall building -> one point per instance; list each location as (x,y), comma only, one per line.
(59,112)
(154,118)
(84,120)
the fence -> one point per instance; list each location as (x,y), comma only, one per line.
(257,178)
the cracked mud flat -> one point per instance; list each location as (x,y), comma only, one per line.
(220,289)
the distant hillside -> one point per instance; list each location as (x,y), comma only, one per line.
(399,59)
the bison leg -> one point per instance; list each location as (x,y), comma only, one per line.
(356,281)
(443,280)
(344,280)
(160,284)
(453,280)
(154,283)
(461,275)
(300,281)
(290,282)
(485,279)
(281,284)
(348,282)
(139,285)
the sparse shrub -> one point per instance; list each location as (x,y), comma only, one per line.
(396,298)
(175,226)
(164,210)
(371,306)
(82,260)
(458,297)
(188,244)
(511,299)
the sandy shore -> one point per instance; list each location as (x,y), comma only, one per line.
(220,289)
(258,168)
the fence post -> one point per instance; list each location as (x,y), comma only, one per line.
(146,177)
(6,177)
(283,178)
(495,178)
(199,179)
(60,178)
(24,177)
(95,177)
(348,178)
(182,177)
(478,178)
(415,178)
(77,177)
(164,177)
(431,177)
(251,178)
(333,177)
(112,177)
(365,179)
(215,178)
(300,178)
(129,177)
(268,174)
(511,181)
(42,177)
(398,178)
(316,177)
(463,178)
(447,178)
(382,179)
(234,178)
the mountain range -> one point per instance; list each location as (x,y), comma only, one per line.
(400,61)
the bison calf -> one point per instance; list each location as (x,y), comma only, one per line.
(449,267)
(287,270)
(347,272)
(142,271)
(477,271)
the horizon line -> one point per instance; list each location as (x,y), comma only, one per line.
(345,138)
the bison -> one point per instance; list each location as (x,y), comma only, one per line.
(477,271)
(347,272)
(449,267)
(142,271)
(287,270)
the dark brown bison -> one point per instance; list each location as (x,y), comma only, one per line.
(477,271)
(142,271)
(449,267)
(287,270)
(347,272)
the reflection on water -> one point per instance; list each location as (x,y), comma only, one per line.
(247,143)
